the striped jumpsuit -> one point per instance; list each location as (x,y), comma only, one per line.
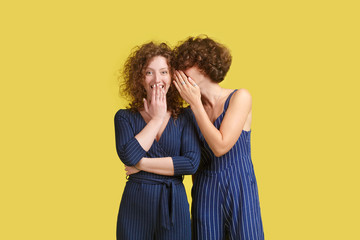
(155,206)
(224,194)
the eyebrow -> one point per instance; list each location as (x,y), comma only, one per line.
(159,69)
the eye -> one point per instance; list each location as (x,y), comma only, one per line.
(164,72)
(148,73)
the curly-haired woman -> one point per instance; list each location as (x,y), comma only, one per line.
(157,142)
(225,195)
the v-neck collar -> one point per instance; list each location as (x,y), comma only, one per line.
(165,129)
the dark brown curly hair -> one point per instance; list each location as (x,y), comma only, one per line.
(212,58)
(133,75)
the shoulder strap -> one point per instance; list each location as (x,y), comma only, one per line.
(228,100)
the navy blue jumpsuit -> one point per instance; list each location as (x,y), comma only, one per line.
(224,194)
(155,206)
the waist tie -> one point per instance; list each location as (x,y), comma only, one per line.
(166,211)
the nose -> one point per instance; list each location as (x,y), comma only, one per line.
(157,78)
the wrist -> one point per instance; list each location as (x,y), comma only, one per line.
(196,105)
(158,120)
(138,165)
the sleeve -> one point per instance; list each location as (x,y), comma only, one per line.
(128,148)
(189,160)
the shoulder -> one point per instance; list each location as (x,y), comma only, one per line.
(124,114)
(185,116)
(188,114)
(242,92)
(241,96)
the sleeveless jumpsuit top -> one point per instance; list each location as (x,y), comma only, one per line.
(225,194)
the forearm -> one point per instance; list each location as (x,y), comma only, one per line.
(161,166)
(147,135)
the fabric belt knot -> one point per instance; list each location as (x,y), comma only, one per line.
(167,198)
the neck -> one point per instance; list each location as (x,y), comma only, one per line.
(211,92)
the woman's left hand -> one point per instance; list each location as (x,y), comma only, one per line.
(131,170)
(187,88)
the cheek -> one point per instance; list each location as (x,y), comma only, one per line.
(167,79)
(190,74)
(147,80)
(197,77)
(168,83)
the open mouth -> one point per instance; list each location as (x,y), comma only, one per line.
(159,85)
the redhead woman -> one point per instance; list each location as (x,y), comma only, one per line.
(157,142)
(225,194)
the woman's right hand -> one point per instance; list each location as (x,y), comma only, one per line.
(154,114)
(131,170)
(157,107)
(187,88)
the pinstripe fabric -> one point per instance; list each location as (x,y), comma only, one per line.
(225,195)
(155,206)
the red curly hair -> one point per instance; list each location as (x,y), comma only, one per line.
(212,58)
(133,75)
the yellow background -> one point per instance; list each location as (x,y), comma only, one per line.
(60,174)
